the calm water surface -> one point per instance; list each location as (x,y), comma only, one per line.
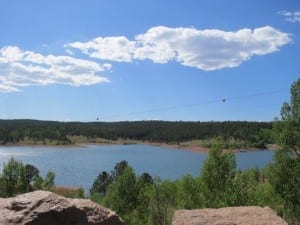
(79,166)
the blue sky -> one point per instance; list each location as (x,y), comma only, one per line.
(147,60)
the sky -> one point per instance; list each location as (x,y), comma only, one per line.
(111,60)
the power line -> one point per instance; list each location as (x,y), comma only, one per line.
(258,94)
(221,100)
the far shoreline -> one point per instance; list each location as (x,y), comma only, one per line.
(191,148)
(201,149)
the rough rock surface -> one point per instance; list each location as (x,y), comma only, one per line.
(47,208)
(252,215)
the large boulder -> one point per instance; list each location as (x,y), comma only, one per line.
(251,215)
(47,208)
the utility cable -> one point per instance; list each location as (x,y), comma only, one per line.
(221,100)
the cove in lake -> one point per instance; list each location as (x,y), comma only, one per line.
(79,166)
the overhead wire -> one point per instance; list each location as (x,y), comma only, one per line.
(221,100)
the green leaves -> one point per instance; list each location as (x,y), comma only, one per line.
(13,178)
(125,192)
(49,180)
(287,129)
(101,183)
(190,192)
(17,178)
(285,171)
(218,174)
(285,179)
(163,199)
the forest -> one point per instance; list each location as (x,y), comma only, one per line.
(255,134)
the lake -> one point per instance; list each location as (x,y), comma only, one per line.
(79,166)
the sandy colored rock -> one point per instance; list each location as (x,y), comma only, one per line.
(47,208)
(251,215)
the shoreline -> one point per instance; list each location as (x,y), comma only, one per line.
(192,148)
(39,145)
(201,149)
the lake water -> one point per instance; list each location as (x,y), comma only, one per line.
(79,166)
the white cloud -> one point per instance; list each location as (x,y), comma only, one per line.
(20,68)
(204,49)
(69,52)
(292,17)
(118,49)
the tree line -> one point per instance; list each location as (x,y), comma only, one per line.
(255,133)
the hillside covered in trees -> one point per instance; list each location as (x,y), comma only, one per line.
(16,131)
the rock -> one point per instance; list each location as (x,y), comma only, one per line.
(47,208)
(251,215)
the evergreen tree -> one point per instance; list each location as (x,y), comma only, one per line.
(13,178)
(101,184)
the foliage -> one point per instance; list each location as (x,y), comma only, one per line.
(38,183)
(13,178)
(285,171)
(287,130)
(232,132)
(163,199)
(31,173)
(101,183)
(190,192)
(285,179)
(119,169)
(124,193)
(245,187)
(218,174)
(17,178)
(49,180)
(139,199)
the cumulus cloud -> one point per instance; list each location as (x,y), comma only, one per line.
(208,50)
(118,49)
(19,68)
(292,17)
